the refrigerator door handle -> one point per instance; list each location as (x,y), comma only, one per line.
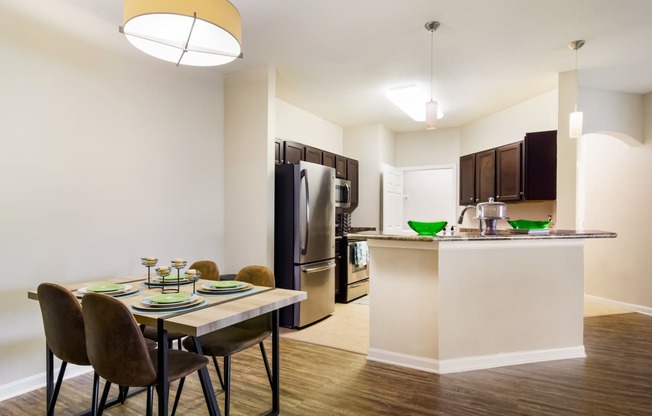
(348,192)
(319,268)
(304,179)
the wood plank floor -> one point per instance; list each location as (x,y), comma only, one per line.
(614,379)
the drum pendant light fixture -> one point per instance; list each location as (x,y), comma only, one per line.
(431,106)
(575,122)
(185,32)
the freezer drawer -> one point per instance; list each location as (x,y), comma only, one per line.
(318,280)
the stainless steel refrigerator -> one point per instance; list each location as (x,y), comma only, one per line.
(304,239)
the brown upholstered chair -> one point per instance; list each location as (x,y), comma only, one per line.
(228,341)
(118,352)
(64,332)
(209,271)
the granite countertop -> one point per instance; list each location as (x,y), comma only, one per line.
(476,236)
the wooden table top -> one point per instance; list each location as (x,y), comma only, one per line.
(216,312)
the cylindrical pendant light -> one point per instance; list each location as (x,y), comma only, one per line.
(576,117)
(185,32)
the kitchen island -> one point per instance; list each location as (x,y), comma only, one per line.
(467,301)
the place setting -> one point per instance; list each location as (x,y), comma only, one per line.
(111,289)
(165,302)
(221,287)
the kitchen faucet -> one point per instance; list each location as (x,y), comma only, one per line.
(461,218)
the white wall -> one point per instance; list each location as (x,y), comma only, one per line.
(372,145)
(250,124)
(295,124)
(106,157)
(511,124)
(428,147)
(618,193)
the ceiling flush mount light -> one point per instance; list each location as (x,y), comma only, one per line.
(432,106)
(185,32)
(575,125)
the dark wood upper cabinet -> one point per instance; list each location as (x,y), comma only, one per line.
(352,174)
(509,186)
(540,166)
(312,155)
(485,175)
(340,167)
(278,151)
(521,171)
(292,152)
(328,159)
(467,179)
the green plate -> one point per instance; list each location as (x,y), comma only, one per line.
(105,288)
(225,284)
(170,297)
(528,224)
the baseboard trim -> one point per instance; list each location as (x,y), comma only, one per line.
(622,305)
(37,381)
(457,365)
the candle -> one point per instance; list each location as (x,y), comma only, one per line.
(177,260)
(191,272)
(150,258)
(163,268)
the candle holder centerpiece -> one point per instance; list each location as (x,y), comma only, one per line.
(178,264)
(193,275)
(149,262)
(163,272)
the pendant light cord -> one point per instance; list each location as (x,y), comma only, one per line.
(432,61)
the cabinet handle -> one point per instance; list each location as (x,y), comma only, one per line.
(497,196)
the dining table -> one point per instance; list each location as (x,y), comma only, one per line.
(208,312)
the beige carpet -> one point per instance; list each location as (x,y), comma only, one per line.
(346,329)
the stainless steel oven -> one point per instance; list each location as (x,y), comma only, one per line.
(357,271)
(342,193)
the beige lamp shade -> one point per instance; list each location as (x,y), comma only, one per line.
(575,124)
(432,114)
(186,32)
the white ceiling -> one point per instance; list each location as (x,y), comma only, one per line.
(336,58)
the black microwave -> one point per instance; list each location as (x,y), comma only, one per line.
(342,193)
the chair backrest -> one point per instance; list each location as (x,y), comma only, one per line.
(207,268)
(116,346)
(63,323)
(259,276)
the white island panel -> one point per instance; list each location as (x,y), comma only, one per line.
(447,306)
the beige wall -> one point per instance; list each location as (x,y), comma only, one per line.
(618,193)
(106,157)
(293,123)
(249,168)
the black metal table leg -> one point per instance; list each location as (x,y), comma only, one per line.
(49,376)
(276,391)
(163,382)
(206,384)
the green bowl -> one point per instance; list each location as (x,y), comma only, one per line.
(528,224)
(427,228)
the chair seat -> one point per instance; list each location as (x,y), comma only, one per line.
(149,332)
(227,341)
(180,363)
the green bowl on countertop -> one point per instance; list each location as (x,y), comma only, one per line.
(427,228)
(528,224)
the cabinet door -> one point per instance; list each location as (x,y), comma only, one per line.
(340,167)
(467,180)
(485,175)
(352,171)
(540,165)
(508,172)
(328,159)
(311,154)
(292,152)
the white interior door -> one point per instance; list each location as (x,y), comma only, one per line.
(429,195)
(392,200)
